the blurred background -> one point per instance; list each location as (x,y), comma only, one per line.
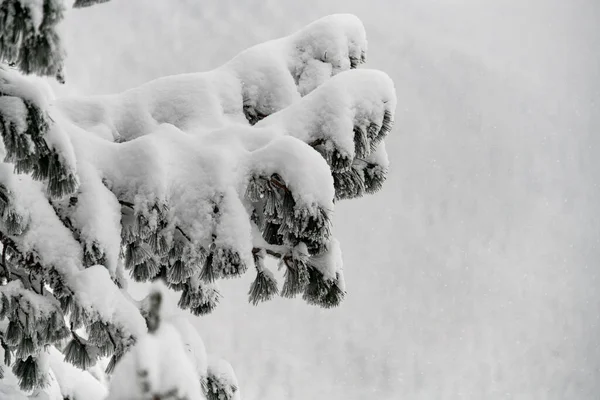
(474,273)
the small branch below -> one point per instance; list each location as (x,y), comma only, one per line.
(183,233)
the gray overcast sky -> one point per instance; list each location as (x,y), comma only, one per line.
(474,273)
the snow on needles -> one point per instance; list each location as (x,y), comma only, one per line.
(174,160)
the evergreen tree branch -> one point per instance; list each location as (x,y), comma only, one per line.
(186,209)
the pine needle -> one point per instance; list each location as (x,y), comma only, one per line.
(263,288)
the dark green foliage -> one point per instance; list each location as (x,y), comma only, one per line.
(209,271)
(53,330)
(29,374)
(158,243)
(200,299)
(178,287)
(7,353)
(113,362)
(32,49)
(66,303)
(145,270)
(376,133)
(355,177)
(14,223)
(98,333)
(136,253)
(26,347)
(93,254)
(271,233)
(99,339)
(296,277)
(273,205)
(77,316)
(317,287)
(256,189)
(78,353)
(263,288)
(30,154)
(321,291)
(14,333)
(60,180)
(176,252)
(282,221)
(179,272)
(386,127)
(29,331)
(145,225)
(5,307)
(4,199)
(310,226)
(333,298)
(375,175)
(41,53)
(204,308)
(336,160)
(219,261)
(153,247)
(373,132)
(152,252)
(361,142)
(349,184)
(216,389)
(228,262)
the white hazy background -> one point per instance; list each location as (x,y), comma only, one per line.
(474,273)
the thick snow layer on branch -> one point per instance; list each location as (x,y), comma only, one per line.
(330,262)
(103,227)
(188,172)
(352,99)
(55,246)
(13,108)
(259,81)
(206,99)
(37,306)
(46,235)
(26,87)
(292,159)
(179,153)
(21,96)
(379,156)
(185,176)
(95,291)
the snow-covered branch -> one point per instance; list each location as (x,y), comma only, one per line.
(187,179)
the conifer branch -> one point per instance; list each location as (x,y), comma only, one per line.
(4,260)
